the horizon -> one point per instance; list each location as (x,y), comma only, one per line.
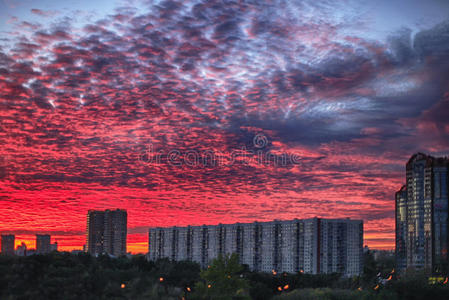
(207,112)
(19,241)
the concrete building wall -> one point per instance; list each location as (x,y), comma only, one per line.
(197,242)
(288,247)
(213,249)
(8,241)
(309,246)
(106,232)
(182,253)
(267,247)
(249,250)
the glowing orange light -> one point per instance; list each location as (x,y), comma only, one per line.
(445,281)
(123,286)
(279,288)
(274,272)
(360,288)
(161,279)
(392,271)
(188,289)
(209,286)
(229,276)
(376,287)
(286,287)
(390,277)
(301,271)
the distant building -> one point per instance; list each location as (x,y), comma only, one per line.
(54,247)
(95,232)
(43,244)
(106,232)
(382,254)
(115,232)
(422,215)
(310,246)
(21,250)
(8,241)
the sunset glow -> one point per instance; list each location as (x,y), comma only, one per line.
(309,110)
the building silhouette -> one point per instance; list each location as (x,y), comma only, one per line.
(8,241)
(422,215)
(43,243)
(310,246)
(54,247)
(95,232)
(106,232)
(115,231)
(21,250)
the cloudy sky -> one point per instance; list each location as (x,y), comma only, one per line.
(310,108)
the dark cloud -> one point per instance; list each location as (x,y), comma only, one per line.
(433,42)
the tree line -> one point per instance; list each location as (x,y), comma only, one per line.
(61,275)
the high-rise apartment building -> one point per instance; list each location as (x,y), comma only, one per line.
(401,228)
(115,232)
(422,215)
(8,241)
(106,232)
(311,245)
(95,232)
(43,244)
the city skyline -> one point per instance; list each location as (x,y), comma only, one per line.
(311,109)
(42,243)
(400,210)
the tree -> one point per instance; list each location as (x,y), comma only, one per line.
(222,280)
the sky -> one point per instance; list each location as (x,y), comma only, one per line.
(207,112)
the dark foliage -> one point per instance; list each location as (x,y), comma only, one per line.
(66,276)
(81,276)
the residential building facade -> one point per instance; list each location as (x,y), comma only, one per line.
(115,231)
(8,241)
(43,245)
(401,228)
(310,246)
(422,215)
(106,232)
(95,232)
